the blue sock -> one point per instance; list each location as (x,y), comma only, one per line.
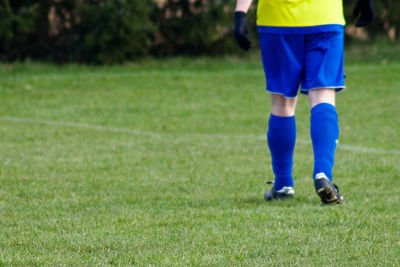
(324,135)
(281,140)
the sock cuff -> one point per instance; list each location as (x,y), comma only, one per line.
(282,119)
(323,107)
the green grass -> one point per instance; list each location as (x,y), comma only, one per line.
(165,163)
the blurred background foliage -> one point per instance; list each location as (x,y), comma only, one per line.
(113,31)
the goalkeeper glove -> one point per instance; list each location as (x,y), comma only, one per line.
(365,9)
(240,30)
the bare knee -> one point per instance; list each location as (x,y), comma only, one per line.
(282,106)
(318,96)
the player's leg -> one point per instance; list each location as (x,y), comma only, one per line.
(323,77)
(283,57)
(282,106)
(324,130)
(323,95)
(281,142)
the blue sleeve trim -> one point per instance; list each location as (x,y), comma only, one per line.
(301,30)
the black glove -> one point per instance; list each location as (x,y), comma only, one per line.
(241,31)
(365,8)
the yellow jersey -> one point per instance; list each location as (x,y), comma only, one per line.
(299,13)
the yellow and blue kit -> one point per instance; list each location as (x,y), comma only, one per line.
(301,44)
(301,16)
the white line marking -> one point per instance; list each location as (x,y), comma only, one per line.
(207,135)
(133,73)
(136,73)
(79,125)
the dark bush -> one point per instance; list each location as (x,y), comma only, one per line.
(114,31)
(95,31)
(17,28)
(110,31)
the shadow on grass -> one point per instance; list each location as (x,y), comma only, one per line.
(246,202)
(259,201)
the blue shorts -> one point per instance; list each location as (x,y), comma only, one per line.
(313,61)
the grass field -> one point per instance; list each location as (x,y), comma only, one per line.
(165,163)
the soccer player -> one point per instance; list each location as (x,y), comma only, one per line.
(301,48)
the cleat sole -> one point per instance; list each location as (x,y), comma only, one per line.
(328,196)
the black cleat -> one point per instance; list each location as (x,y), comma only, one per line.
(285,192)
(327,191)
